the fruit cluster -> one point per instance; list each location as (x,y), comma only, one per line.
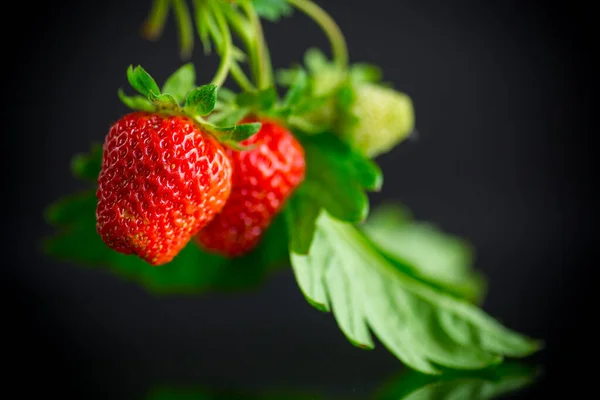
(167,178)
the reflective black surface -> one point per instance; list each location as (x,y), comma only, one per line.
(503,101)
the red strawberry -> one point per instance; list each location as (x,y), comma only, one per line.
(263,178)
(162,180)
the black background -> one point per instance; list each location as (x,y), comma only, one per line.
(503,98)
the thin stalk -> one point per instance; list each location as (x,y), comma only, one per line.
(334,34)
(240,77)
(225,48)
(153,27)
(186,30)
(261,60)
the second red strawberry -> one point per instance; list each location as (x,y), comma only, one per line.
(263,178)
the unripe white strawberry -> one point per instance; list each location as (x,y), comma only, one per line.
(379,118)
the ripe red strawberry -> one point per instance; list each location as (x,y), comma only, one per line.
(162,180)
(263,178)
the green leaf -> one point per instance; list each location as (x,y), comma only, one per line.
(338,176)
(422,326)
(425,251)
(181,82)
(86,166)
(136,102)
(302,211)
(201,100)
(141,81)
(229,117)
(272,10)
(193,271)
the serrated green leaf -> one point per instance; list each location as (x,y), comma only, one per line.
(141,81)
(201,100)
(425,251)
(272,10)
(309,271)
(302,211)
(339,176)
(181,82)
(136,102)
(86,166)
(423,327)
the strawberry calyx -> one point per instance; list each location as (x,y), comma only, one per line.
(180,96)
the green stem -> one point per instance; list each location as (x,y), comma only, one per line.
(261,59)
(157,17)
(186,30)
(226,46)
(331,29)
(240,77)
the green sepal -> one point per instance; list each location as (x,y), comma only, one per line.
(181,82)
(228,117)
(141,81)
(238,133)
(165,102)
(136,102)
(201,100)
